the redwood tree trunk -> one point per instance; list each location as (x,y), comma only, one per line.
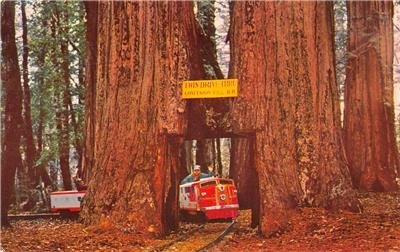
(62,95)
(369,109)
(204,153)
(282,54)
(90,93)
(10,78)
(143,55)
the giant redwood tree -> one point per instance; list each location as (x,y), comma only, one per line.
(12,97)
(282,54)
(369,109)
(144,52)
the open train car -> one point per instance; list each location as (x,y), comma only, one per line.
(66,201)
(216,198)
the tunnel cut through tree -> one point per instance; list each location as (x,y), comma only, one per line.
(282,54)
(288,101)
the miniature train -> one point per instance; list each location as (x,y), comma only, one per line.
(214,198)
(66,201)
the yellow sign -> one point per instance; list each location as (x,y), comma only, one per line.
(209,88)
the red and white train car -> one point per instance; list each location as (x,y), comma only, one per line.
(66,201)
(216,198)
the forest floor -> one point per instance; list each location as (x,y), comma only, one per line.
(377,229)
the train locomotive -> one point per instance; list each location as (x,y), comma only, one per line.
(213,198)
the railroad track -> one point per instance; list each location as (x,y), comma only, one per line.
(39,216)
(199,239)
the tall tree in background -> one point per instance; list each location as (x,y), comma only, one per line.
(145,51)
(30,150)
(10,78)
(282,54)
(204,153)
(39,48)
(65,98)
(26,179)
(76,29)
(61,83)
(369,110)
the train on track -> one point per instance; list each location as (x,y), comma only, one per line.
(213,198)
(66,201)
(210,198)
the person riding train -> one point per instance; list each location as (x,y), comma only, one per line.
(79,184)
(196,175)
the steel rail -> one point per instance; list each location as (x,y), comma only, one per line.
(178,239)
(186,236)
(33,216)
(218,239)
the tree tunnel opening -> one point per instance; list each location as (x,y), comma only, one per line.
(224,157)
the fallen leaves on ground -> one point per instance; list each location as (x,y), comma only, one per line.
(311,229)
(69,235)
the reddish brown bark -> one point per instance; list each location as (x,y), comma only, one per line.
(282,54)
(90,93)
(369,109)
(143,54)
(10,78)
